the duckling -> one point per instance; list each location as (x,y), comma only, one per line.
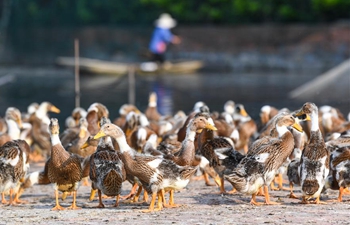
(260,166)
(314,163)
(107,171)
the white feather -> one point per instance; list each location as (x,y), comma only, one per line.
(155,163)
(266,109)
(55,139)
(261,158)
(204,162)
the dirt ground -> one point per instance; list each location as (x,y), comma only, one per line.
(201,204)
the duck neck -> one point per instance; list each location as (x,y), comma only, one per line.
(314,121)
(105,142)
(55,139)
(190,135)
(123,145)
(281,130)
(13,129)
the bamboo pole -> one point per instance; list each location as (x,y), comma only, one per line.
(76,72)
(131,78)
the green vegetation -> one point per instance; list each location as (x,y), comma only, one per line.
(48,13)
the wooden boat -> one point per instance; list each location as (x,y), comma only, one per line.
(117,68)
(95,65)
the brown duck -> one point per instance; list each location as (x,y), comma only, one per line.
(63,169)
(314,163)
(107,171)
(260,166)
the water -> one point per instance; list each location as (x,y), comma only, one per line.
(21,86)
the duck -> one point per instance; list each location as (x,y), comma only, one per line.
(155,173)
(94,114)
(107,171)
(123,112)
(43,110)
(198,107)
(340,167)
(63,169)
(40,136)
(300,139)
(151,111)
(14,164)
(41,143)
(267,112)
(340,141)
(221,154)
(13,122)
(186,155)
(73,139)
(246,127)
(314,162)
(259,167)
(331,120)
(73,120)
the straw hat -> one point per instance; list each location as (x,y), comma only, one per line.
(165,21)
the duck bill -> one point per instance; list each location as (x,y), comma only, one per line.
(85,145)
(199,131)
(297,126)
(82,133)
(308,118)
(210,127)
(243,112)
(302,116)
(299,113)
(99,135)
(55,109)
(19,122)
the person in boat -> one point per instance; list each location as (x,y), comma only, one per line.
(162,37)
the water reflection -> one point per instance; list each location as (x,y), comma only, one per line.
(175,92)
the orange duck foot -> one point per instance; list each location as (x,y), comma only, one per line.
(292,195)
(57,208)
(74,207)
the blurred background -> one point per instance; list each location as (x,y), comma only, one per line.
(254,52)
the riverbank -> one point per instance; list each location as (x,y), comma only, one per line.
(238,48)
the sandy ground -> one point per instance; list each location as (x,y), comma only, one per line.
(201,204)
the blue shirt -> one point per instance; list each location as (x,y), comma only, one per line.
(160,38)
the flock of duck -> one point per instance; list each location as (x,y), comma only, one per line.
(159,154)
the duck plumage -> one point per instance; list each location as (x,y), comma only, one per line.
(314,163)
(259,167)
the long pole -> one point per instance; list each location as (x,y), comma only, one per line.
(76,72)
(131,75)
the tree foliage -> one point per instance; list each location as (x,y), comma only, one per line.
(48,13)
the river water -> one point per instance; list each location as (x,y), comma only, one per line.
(20,86)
